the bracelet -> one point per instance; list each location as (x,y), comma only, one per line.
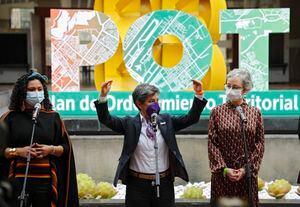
(12,152)
(225,171)
(53,150)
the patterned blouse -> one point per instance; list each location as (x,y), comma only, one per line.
(226,149)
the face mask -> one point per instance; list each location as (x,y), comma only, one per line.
(234,94)
(152,108)
(34,97)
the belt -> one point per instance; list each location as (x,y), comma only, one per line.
(149,176)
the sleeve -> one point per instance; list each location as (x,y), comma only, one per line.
(115,123)
(3,140)
(216,161)
(4,143)
(258,152)
(5,121)
(102,99)
(66,170)
(61,135)
(200,97)
(181,122)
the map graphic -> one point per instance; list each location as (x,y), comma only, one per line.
(197,49)
(254,27)
(79,38)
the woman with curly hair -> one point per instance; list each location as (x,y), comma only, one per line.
(52,175)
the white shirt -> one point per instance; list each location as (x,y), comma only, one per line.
(143,158)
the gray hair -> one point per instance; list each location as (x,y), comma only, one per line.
(143,90)
(244,76)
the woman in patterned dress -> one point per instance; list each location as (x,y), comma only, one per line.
(225,142)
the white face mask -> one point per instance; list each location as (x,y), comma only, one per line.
(233,94)
(34,97)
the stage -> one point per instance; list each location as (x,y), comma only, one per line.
(187,203)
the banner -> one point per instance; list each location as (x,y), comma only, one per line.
(276,103)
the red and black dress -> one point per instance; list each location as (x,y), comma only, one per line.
(56,175)
(226,149)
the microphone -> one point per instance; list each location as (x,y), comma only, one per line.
(242,115)
(153,120)
(152,112)
(36,111)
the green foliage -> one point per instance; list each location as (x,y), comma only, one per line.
(279,188)
(105,190)
(86,186)
(260,183)
(193,192)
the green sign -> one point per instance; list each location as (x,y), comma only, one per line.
(254,27)
(81,104)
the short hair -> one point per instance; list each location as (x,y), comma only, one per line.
(142,91)
(244,76)
(19,91)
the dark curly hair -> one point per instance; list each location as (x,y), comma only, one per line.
(18,96)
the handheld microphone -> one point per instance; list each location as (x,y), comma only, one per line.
(242,115)
(36,111)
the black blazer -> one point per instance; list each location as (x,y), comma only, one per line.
(130,127)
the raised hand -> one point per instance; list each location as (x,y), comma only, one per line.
(197,85)
(105,88)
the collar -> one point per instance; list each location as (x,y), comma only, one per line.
(143,119)
(230,105)
(29,110)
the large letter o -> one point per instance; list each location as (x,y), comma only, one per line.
(197,49)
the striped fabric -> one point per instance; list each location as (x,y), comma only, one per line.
(38,168)
(54,185)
